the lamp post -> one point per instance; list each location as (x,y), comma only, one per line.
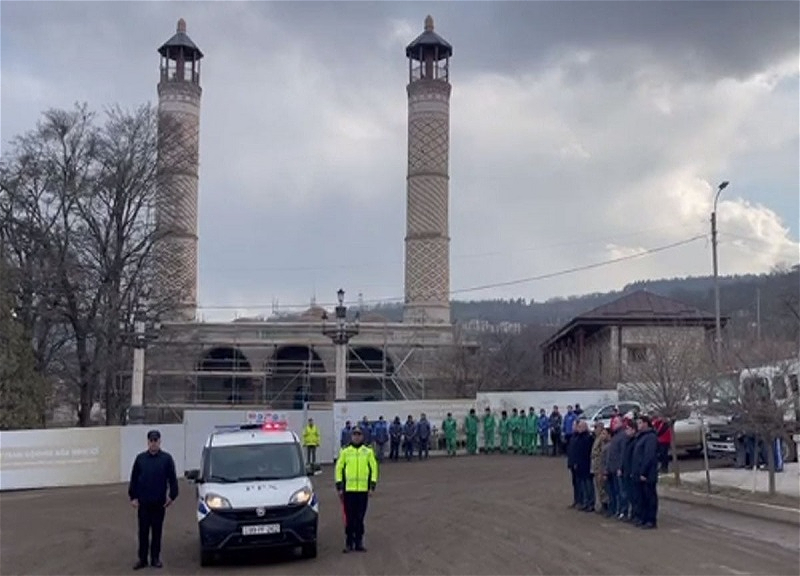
(717,322)
(144,329)
(340,334)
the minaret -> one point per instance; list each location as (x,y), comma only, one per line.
(427,265)
(175,249)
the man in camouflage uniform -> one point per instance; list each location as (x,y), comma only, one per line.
(598,471)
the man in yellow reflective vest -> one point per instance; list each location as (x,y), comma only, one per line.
(311,441)
(356,475)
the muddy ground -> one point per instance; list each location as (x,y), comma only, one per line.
(468,515)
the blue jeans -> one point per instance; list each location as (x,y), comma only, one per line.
(586,491)
(623,500)
(613,495)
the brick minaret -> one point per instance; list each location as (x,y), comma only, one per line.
(427,263)
(175,249)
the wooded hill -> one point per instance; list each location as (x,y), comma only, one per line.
(739,299)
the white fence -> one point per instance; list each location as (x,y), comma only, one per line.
(104,455)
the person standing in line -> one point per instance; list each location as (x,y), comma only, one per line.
(544,428)
(663,428)
(395,437)
(631,492)
(568,425)
(616,452)
(504,426)
(580,449)
(366,431)
(645,464)
(489,426)
(344,438)
(450,426)
(513,426)
(153,487)
(423,435)
(522,420)
(555,430)
(356,476)
(409,437)
(598,469)
(311,440)
(381,433)
(471,428)
(533,431)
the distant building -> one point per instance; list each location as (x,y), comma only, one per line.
(606,345)
(481,326)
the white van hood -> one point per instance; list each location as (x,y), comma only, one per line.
(261,493)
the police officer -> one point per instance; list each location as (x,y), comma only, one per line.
(356,475)
(152,475)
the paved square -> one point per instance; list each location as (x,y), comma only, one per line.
(468,515)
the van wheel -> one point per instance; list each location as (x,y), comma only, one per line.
(206,558)
(310,550)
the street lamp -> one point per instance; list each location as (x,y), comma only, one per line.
(144,329)
(340,333)
(717,323)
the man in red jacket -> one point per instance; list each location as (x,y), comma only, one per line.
(663,428)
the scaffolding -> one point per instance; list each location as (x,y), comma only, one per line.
(246,364)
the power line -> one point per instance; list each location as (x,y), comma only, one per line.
(363,265)
(488,286)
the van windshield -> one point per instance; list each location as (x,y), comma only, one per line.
(252,462)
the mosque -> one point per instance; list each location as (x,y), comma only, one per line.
(279,362)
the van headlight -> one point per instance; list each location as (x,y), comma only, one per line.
(215,501)
(302,496)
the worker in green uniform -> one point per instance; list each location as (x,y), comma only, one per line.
(471,427)
(488,430)
(533,431)
(523,432)
(449,426)
(504,427)
(514,425)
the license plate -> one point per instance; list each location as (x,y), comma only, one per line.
(721,446)
(261,529)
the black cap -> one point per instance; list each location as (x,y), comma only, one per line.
(356,430)
(154,435)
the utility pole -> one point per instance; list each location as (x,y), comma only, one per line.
(717,321)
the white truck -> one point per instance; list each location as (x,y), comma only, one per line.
(778,382)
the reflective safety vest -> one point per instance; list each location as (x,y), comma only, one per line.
(311,436)
(356,467)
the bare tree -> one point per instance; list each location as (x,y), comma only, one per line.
(676,372)
(78,199)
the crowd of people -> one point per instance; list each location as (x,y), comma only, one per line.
(614,469)
(509,432)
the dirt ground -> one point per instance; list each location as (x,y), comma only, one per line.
(467,515)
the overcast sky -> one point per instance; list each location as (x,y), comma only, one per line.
(580,132)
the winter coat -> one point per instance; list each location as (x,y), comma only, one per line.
(645,456)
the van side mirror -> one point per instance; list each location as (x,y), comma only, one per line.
(192,475)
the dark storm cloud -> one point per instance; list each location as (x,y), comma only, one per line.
(712,38)
(614,117)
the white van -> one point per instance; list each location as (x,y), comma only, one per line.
(254,491)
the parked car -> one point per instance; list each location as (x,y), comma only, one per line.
(688,432)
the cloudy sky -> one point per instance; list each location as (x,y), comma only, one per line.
(580,132)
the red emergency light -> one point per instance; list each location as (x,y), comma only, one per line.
(275,426)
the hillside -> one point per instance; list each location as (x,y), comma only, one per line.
(739,297)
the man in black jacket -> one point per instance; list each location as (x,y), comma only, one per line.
(153,474)
(645,466)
